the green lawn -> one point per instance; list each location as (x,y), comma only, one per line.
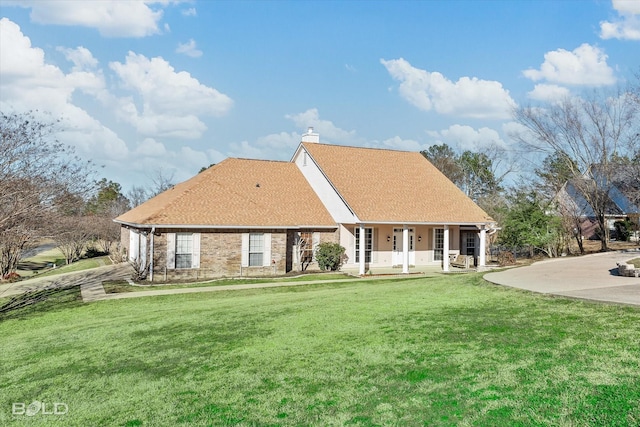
(119,286)
(40,265)
(442,351)
(635,262)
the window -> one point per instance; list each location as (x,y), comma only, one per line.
(256,249)
(368,244)
(184,250)
(307,244)
(438,244)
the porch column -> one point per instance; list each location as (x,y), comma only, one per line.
(483,249)
(405,249)
(445,249)
(361,242)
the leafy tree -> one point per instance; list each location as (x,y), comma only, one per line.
(478,178)
(446,160)
(329,256)
(528,225)
(108,199)
(556,169)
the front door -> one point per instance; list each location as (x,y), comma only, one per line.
(396,257)
(469,243)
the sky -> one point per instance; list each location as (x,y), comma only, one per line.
(175,85)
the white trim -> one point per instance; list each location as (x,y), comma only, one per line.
(445,249)
(195,248)
(362,241)
(244,257)
(482,260)
(171,251)
(405,249)
(266,251)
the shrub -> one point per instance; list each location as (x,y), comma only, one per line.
(329,256)
(623,230)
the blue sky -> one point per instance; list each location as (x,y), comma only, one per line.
(178,85)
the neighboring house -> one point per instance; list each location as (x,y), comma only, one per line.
(618,207)
(247,217)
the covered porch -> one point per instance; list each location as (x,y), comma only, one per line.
(383,248)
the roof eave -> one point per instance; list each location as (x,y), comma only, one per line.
(223,227)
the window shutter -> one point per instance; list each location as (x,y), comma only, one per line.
(316,242)
(195,255)
(244,258)
(134,245)
(171,251)
(266,255)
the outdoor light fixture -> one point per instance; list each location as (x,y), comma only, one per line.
(388,238)
(419,238)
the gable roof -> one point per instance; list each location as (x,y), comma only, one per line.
(616,203)
(236,193)
(394,186)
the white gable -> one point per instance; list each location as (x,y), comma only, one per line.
(337,207)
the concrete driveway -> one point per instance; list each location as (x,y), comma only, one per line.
(592,277)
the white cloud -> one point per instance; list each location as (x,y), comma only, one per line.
(548,93)
(171,102)
(397,143)
(29,83)
(189,49)
(627,26)
(189,12)
(151,147)
(112,18)
(465,138)
(468,97)
(282,144)
(585,65)
(81,58)
(325,128)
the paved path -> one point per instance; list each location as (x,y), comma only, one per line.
(592,277)
(89,280)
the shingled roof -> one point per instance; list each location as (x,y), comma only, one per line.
(394,186)
(236,193)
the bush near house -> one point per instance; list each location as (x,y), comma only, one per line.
(329,256)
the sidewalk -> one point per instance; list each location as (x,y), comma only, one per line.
(86,279)
(95,291)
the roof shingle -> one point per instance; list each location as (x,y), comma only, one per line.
(236,192)
(394,186)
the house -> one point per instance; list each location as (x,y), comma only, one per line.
(617,206)
(252,217)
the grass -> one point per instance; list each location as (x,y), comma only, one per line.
(114,287)
(635,262)
(441,351)
(40,262)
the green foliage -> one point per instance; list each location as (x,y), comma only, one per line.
(556,169)
(527,225)
(478,177)
(623,230)
(108,199)
(472,172)
(446,160)
(329,256)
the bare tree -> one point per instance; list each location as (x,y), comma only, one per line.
(161,181)
(35,171)
(589,132)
